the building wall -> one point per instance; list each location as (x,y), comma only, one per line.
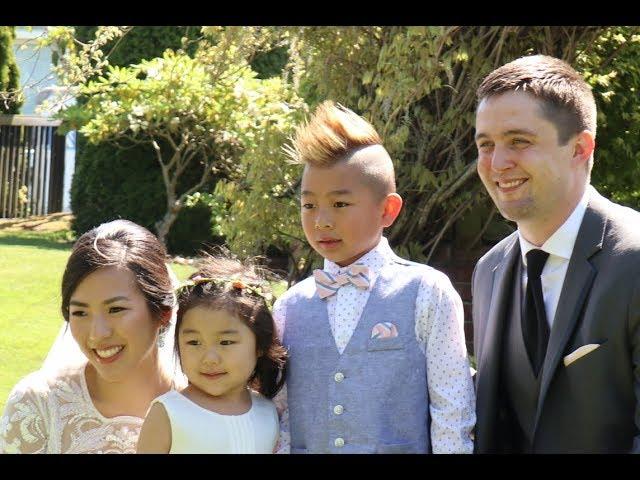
(38,81)
(35,66)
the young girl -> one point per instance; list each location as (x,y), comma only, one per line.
(117,297)
(231,356)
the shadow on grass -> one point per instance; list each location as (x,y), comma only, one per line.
(51,241)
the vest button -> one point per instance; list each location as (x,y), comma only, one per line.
(339,442)
(338,409)
(338,377)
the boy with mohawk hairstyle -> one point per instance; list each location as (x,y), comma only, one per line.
(378,362)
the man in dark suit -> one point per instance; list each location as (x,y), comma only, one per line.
(556,305)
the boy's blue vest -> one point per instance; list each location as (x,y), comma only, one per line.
(371,399)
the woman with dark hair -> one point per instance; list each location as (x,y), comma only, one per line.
(117,298)
(228,349)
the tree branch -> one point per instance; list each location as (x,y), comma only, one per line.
(165,174)
(477,238)
(452,218)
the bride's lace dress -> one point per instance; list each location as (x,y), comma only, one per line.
(52,412)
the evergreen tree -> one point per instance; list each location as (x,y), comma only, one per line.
(9,74)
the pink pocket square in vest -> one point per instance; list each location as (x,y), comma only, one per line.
(384,330)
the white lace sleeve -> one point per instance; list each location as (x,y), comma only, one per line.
(24,426)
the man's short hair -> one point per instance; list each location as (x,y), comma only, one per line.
(566,99)
(334,134)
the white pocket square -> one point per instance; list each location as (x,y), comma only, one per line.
(578,353)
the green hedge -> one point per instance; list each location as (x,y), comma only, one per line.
(270,64)
(143,43)
(114,183)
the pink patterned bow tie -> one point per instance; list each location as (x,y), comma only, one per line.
(327,284)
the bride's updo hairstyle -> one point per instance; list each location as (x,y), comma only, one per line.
(126,245)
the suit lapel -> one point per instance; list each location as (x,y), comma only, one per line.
(490,360)
(577,283)
(502,278)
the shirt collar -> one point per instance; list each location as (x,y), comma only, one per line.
(375,258)
(563,239)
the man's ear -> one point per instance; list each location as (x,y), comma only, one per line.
(392,207)
(584,146)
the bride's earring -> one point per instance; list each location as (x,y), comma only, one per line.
(161,333)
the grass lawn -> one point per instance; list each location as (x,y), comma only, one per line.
(31,267)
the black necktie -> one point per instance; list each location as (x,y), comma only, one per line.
(535,329)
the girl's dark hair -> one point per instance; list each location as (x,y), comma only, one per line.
(126,245)
(242,289)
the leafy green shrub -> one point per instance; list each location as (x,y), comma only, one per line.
(417,86)
(612,67)
(111,182)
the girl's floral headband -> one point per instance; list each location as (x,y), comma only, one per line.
(234,283)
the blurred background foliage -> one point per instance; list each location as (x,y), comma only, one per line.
(415,84)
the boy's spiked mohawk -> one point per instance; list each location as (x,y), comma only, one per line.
(332,132)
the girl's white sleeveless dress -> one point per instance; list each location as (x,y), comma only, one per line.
(197,430)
